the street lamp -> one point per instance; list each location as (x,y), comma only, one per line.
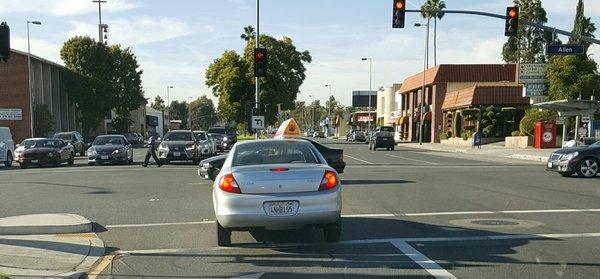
(168,105)
(328,107)
(370,83)
(312,122)
(425,66)
(29,76)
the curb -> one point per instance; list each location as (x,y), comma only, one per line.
(41,224)
(94,256)
(528,157)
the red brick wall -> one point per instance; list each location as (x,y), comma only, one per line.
(14,93)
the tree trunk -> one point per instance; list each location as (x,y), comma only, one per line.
(435,41)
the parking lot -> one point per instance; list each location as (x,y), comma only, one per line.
(406,213)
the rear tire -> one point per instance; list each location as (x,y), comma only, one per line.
(223,236)
(392,148)
(332,232)
(9,160)
(91,163)
(71,160)
(23,166)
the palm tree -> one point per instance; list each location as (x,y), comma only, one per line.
(433,5)
(248,33)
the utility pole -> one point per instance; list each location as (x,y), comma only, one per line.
(100,26)
(257,45)
(31,89)
(425,67)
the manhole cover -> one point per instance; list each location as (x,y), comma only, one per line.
(495,223)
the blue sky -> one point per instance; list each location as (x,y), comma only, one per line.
(176,40)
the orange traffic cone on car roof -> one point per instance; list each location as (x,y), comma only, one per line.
(289,129)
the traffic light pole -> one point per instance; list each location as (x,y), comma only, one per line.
(532,24)
(257,88)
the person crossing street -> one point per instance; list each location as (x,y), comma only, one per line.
(152,151)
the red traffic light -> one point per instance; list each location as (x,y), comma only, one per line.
(259,55)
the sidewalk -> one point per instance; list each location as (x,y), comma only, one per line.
(493,150)
(48,245)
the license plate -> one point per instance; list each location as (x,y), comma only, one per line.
(176,154)
(550,164)
(282,208)
(34,161)
(104,157)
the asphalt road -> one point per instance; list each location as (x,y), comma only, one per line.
(406,213)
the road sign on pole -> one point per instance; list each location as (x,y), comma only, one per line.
(534,89)
(258,122)
(565,49)
(532,73)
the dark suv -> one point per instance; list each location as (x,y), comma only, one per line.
(382,137)
(227,135)
(75,139)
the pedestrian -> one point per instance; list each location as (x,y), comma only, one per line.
(151,151)
(583,131)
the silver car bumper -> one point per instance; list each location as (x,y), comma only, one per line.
(246,210)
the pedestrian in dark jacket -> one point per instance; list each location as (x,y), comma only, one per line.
(152,152)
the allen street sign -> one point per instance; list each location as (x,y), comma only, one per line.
(565,49)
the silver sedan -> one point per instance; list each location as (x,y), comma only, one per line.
(276,184)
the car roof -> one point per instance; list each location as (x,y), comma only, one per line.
(113,135)
(180,131)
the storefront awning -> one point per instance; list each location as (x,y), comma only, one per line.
(571,107)
(484,95)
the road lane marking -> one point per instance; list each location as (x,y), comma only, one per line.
(250,276)
(360,160)
(160,224)
(531,211)
(99,266)
(368,215)
(429,265)
(410,159)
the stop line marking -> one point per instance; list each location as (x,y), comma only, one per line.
(411,159)
(360,160)
(427,264)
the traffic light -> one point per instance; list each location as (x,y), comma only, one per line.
(398,14)
(260,62)
(4,41)
(511,26)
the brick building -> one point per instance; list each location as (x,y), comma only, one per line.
(15,111)
(450,87)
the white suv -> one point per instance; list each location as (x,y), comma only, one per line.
(7,147)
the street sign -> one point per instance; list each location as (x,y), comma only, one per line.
(534,89)
(532,73)
(11,114)
(585,118)
(258,122)
(565,49)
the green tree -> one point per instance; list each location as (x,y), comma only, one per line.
(248,34)
(179,111)
(532,116)
(433,5)
(203,113)
(43,120)
(158,104)
(88,81)
(571,76)
(582,26)
(126,82)
(227,77)
(285,73)
(528,45)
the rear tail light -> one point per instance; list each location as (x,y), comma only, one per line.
(280,169)
(329,181)
(227,183)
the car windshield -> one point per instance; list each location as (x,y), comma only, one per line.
(273,152)
(108,141)
(200,136)
(67,136)
(179,136)
(46,143)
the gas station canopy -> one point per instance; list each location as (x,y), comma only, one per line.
(571,107)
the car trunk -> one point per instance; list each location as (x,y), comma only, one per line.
(278,178)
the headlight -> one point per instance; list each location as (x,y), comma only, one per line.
(117,151)
(569,156)
(224,138)
(205,145)
(163,147)
(189,147)
(91,151)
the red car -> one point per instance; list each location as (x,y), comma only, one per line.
(45,152)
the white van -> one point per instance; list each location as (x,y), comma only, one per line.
(7,147)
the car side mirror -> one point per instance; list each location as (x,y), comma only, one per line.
(17,145)
(158,139)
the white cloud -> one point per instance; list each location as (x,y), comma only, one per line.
(138,30)
(567,7)
(66,7)
(42,48)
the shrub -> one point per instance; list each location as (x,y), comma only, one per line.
(448,134)
(531,117)
(443,136)
(515,133)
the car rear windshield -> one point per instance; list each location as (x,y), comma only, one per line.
(217,131)
(64,136)
(386,129)
(108,141)
(273,152)
(179,136)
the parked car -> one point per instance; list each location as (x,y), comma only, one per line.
(110,149)
(382,137)
(318,134)
(179,145)
(218,140)
(228,135)
(358,136)
(131,138)
(585,161)
(207,149)
(7,147)
(75,139)
(45,151)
